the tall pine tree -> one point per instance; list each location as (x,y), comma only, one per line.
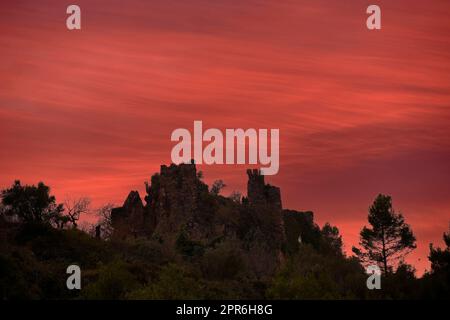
(388,239)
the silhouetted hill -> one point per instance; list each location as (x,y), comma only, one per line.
(189,242)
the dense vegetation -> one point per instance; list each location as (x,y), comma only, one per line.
(38,241)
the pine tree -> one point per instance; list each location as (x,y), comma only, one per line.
(388,239)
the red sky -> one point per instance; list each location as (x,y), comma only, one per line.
(360,112)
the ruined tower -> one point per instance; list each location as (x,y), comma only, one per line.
(131,218)
(261,194)
(174,197)
(267,231)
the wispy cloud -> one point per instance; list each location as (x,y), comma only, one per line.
(359,112)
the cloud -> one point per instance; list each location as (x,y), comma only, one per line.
(359,112)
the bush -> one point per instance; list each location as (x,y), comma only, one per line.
(113,282)
(311,275)
(173,283)
(223,262)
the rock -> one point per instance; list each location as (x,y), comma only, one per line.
(131,218)
(178,204)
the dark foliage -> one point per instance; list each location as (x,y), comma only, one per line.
(31,204)
(388,239)
(34,255)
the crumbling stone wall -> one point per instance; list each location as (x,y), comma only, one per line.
(262,194)
(267,233)
(174,197)
(131,218)
(179,203)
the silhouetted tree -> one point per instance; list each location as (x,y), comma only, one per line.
(217,186)
(235,196)
(104,221)
(74,208)
(332,239)
(388,239)
(32,204)
(436,283)
(440,258)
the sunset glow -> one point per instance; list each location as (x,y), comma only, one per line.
(91,112)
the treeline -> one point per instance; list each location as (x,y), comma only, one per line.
(40,238)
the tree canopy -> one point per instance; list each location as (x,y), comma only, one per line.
(30,203)
(388,239)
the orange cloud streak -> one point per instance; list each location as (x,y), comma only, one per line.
(90,112)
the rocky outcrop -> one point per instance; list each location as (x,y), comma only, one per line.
(299,227)
(265,234)
(131,219)
(174,200)
(262,194)
(180,210)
